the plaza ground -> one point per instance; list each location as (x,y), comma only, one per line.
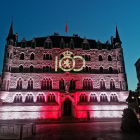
(82,131)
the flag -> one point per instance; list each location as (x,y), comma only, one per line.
(66,28)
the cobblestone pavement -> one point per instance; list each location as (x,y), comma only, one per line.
(82,131)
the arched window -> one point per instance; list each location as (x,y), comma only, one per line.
(30,84)
(102,84)
(29,98)
(50,57)
(32,57)
(61,85)
(113,98)
(47,69)
(19,84)
(47,56)
(112,84)
(83,98)
(20,68)
(93,98)
(86,58)
(40,98)
(72,84)
(43,84)
(103,98)
(51,98)
(100,58)
(86,68)
(50,84)
(18,98)
(44,69)
(89,69)
(110,70)
(31,68)
(109,58)
(50,69)
(101,69)
(89,58)
(22,56)
(46,84)
(44,56)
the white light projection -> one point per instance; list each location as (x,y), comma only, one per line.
(67,63)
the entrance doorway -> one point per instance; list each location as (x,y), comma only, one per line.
(67,107)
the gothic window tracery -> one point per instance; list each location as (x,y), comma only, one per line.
(61,85)
(30,84)
(40,98)
(113,98)
(46,84)
(51,98)
(19,84)
(18,98)
(103,98)
(102,84)
(87,84)
(72,84)
(112,84)
(29,98)
(93,98)
(83,98)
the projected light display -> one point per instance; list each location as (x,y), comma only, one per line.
(67,63)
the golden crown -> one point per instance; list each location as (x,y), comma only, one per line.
(67,53)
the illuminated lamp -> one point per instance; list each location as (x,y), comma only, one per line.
(132,97)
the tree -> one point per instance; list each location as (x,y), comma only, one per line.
(129,121)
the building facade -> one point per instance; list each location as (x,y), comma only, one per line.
(54,76)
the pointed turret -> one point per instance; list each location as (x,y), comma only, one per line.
(117,36)
(10,35)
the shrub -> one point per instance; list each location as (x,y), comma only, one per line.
(129,121)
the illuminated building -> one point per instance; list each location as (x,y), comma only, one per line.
(54,76)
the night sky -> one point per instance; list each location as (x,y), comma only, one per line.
(95,19)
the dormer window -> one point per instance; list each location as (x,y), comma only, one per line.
(62,44)
(48,43)
(71,44)
(85,46)
(108,46)
(33,44)
(23,43)
(99,45)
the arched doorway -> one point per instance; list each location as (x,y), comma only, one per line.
(67,107)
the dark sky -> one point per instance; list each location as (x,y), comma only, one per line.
(95,19)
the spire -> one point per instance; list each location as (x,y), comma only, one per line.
(10,35)
(117,36)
